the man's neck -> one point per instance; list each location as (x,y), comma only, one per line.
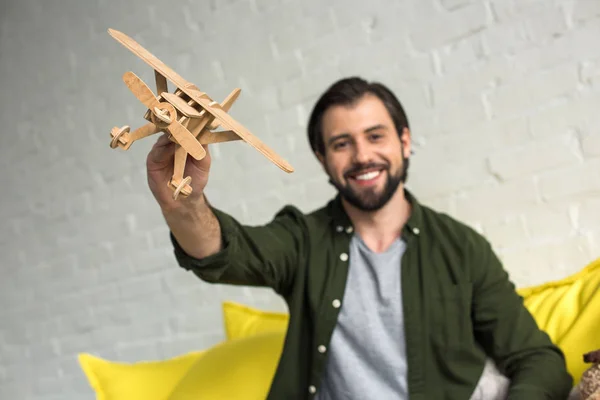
(379,229)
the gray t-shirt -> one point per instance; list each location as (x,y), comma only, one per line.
(367,353)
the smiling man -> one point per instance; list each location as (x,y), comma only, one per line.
(388,298)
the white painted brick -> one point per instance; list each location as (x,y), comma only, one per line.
(583,10)
(450,118)
(590,72)
(504,10)
(140,287)
(506,233)
(588,217)
(579,180)
(432,179)
(458,55)
(576,115)
(549,153)
(497,200)
(560,259)
(545,22)
(471,81)
(546,222)
(590,144)
(443,28)
(453,4)
(539,90)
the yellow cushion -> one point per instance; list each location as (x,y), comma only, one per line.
(243,321)
(238,369)
(569,311)
(145,380)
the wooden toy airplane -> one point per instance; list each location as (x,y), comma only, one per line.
(188,115)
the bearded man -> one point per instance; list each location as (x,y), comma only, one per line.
(388,298)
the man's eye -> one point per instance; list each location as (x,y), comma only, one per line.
(375,136)
(339,145)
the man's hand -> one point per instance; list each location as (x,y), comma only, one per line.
(159,167)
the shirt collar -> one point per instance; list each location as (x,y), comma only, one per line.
(413,226)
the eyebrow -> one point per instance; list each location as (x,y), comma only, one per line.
(347,135)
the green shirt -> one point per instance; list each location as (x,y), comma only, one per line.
(459,303)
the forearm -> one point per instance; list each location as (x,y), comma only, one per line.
(196,229)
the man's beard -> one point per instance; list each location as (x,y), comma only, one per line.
(369,199)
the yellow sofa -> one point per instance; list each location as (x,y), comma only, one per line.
(242,366)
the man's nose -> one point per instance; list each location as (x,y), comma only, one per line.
(361,153)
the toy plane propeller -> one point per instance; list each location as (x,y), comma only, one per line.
(190,117)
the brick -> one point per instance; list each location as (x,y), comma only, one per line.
(432,180)
(505,233)
(497,200)
(584,10)
(588,218)
(590,73)
(548,221)
(590,144)
(542,155)
(454,4)
(545,23)
(463,53)
(506,38)
(522,97)
(578,115)
(138,287)
(560,259)
(471,81)
(446,27)
(574,181)
(450,118)
(514,9)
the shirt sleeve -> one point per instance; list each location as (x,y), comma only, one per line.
(509,334)
(266,255)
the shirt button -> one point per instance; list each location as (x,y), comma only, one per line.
(336,303)
(416,231)
(339,228)
(344,257)
(349,229)
(312,389)
(322,349)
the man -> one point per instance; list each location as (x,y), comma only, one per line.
(388,299)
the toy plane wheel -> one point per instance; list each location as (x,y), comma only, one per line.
(116,134)
(183,188)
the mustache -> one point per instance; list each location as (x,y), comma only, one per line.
(356,168)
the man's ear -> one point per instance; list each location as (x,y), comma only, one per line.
(320,157)
(406,141)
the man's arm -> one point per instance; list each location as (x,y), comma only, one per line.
(214,245)
(508,332)
(196,230)
(266,255)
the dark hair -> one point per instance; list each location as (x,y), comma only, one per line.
(348,91)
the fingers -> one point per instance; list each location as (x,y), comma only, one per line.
(162,151)
(203,164)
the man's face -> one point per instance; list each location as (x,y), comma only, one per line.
(364,156)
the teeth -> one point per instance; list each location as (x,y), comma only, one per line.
(367,176)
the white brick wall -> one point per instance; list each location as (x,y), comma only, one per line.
(503,96)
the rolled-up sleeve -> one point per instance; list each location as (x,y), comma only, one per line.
(266,255)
